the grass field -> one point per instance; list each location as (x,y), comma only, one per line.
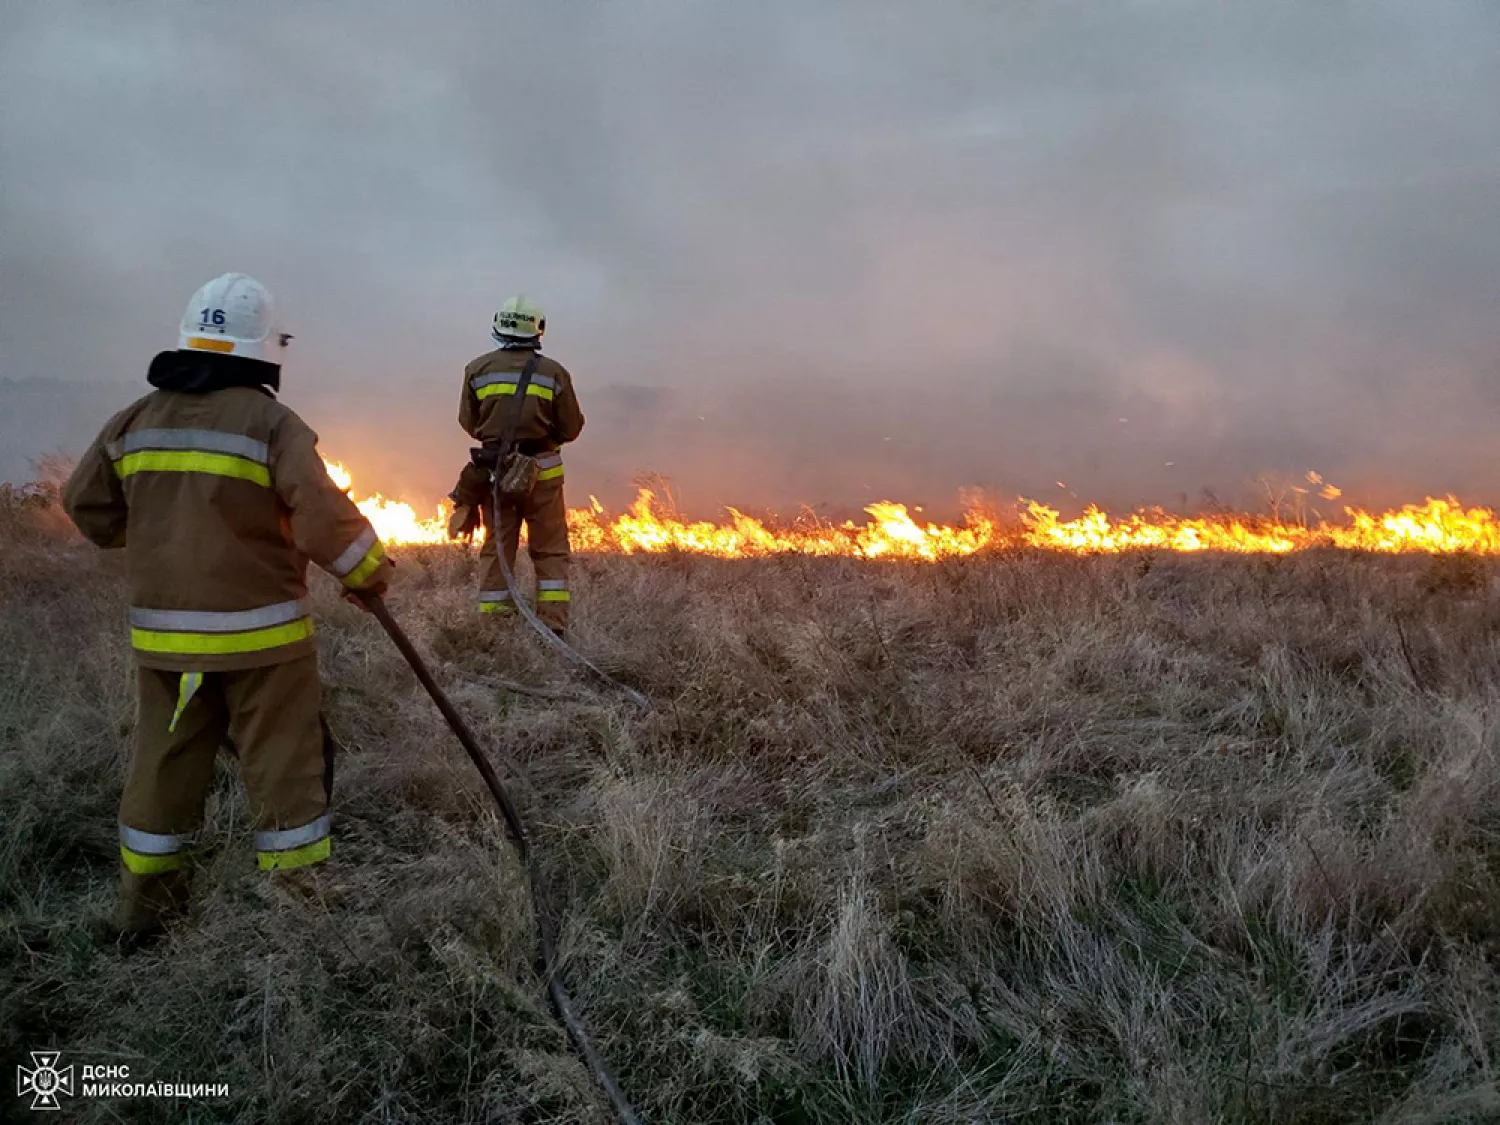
(1022,837)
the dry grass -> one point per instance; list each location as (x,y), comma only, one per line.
(1019,838)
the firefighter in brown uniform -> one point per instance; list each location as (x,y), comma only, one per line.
(549,419)
(218,496)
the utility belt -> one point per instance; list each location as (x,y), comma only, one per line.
(517,472)
(488,455)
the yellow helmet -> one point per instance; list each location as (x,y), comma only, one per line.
(520,319)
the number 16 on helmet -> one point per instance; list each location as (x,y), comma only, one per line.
(232,315)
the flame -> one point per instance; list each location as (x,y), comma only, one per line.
(892,533)
(395,521)
(1434,526)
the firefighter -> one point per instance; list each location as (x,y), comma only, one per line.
(218,497)
(549,418)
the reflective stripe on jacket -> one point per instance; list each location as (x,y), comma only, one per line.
(191,451)
(496,384)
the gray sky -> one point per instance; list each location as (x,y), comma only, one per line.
(792,251)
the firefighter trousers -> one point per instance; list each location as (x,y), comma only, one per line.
(546,519)
(271,719)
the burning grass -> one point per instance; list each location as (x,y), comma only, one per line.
(1435,526)
(1022,836)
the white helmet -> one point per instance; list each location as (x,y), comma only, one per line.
(519,318)
(232,315)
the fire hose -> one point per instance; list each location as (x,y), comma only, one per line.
(544,924)
(497,501)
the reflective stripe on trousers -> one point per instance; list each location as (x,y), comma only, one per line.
(286,848)
(212,633)
(552,590)
(496,601)
(151,853)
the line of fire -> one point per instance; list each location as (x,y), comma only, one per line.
(1435,526)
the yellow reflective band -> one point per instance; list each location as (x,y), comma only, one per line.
(553,596)
(222,644)
(316,852)
(139,864)
(368,565)
(190,461)
(550,474)
(496,607)
(209,344)
(187,687)
(495,389)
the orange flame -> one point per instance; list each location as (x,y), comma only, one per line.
(394,521)
(1434,526)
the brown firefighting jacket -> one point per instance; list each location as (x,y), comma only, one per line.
(219,500)
(550,417)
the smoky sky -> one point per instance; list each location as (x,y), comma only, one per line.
(794,252)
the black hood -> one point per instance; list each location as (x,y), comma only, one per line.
(198,373)
(517,343)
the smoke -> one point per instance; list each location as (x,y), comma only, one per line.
(794,252)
